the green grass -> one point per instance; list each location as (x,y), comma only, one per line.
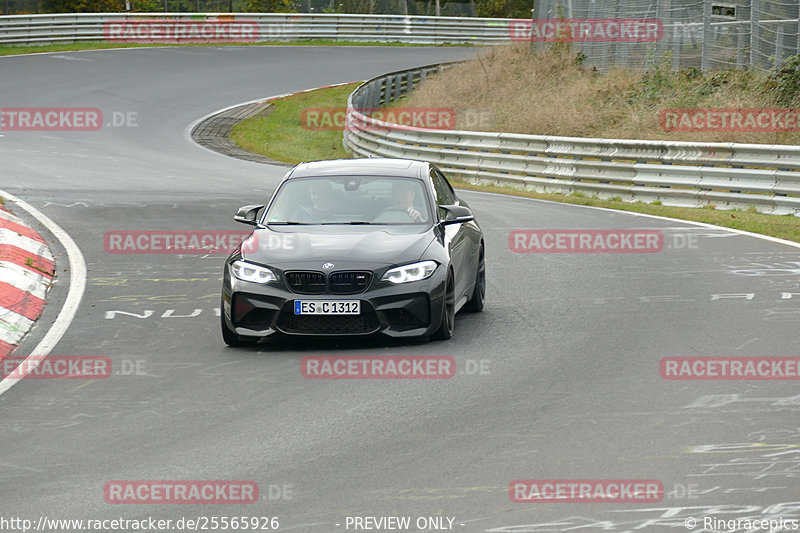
(784,227)
(6,50)
(29,262)
(280,136)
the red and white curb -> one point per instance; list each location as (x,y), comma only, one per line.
(76,269)
(26,272)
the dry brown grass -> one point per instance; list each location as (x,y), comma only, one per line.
(551,94)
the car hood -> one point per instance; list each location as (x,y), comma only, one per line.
(344,246)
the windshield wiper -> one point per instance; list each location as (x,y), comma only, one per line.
(289,223)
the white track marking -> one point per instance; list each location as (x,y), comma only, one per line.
(657,217)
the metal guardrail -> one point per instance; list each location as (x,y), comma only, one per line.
(685,174)
(674,173)
(69,28)
(757,37)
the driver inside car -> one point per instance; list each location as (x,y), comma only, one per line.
(322,203)
(403,198)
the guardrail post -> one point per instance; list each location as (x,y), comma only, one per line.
(364,98)
(677,45)
(536,12)
(388,84)
(597,52)
(375,95)
(705,58)
(663,16)
(616,44)
(409,83)
(798,32)
(741,39)
(755,32)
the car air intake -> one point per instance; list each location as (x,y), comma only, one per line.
(349,282)
(362,324)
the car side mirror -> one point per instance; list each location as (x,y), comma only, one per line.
(456,214)
(248,214)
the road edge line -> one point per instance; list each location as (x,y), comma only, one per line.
(648,215)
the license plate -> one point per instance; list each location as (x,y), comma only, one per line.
(327,307)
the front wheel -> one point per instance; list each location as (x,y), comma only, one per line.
(448,323)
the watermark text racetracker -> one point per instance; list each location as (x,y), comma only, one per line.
(55,367)
(390,367)
(180,492)
(335,118)
(730,368)
(594,241)
(586,491)
(387,367)
(63,119)
(193,241)
(587,30)
(221,30)
(747,120)
(69,367)
(173,242)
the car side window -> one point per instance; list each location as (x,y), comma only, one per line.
(450,191)
(444,193)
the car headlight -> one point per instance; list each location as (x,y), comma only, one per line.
(254,273)
(413,272)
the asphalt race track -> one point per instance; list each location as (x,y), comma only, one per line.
(557,379)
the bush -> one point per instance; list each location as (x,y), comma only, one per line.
(783,83)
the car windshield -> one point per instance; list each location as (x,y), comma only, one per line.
(350,200)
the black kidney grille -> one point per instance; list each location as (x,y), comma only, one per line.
(349,282)
(306,282)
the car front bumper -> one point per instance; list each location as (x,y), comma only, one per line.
(403,310)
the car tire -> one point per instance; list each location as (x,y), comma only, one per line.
(448,323)
(475,304)
(233,339)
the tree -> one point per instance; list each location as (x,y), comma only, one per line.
(270,6)
(83,6)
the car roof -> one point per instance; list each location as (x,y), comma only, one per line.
(373,166)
